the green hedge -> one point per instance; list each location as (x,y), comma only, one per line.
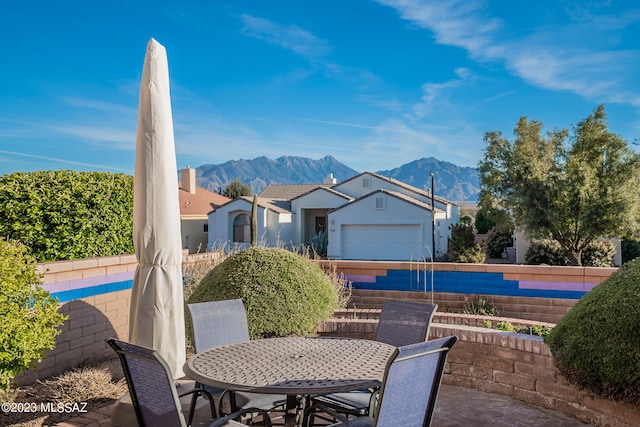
(284,293)
(597,343)
(68,215)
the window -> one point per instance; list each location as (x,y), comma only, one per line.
(205,229)
(242,229)
(379,203)
(366,183)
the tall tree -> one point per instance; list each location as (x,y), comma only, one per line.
(574,188)
(236,189)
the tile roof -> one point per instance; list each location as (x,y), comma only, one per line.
(289,191)
(200,203)
(276,205)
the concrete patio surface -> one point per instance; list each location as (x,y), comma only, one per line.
(456,407)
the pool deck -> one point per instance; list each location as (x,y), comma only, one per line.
(456,406)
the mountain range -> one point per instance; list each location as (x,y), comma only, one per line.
(455,183)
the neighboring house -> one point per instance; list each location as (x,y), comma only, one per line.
(368,217)
(195,205)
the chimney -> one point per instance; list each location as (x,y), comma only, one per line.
(189,180)
(329,180)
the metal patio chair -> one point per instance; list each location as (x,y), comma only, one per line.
(409,390)
(217,323)
(156,401)
(401,323)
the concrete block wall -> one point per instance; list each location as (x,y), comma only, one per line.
(549,310)
(487,279)
(95,293)
(521,367)
(513,365)
(90,322)
(101,314)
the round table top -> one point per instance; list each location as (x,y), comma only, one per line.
(295,365)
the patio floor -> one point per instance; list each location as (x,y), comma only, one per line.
(456,406)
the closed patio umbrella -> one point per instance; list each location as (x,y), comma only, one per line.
(157,308)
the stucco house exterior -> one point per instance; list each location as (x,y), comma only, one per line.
(195,205)
(368,216)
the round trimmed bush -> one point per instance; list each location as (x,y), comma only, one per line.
(283,293)
(597,343)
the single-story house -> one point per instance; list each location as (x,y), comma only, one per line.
(368,216)
(195,205)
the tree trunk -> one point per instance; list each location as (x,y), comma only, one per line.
(575,258)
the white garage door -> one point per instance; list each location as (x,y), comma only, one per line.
(379,242)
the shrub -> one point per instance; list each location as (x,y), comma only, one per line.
(479,306)
(29,315)
(596,344)
(283,293)
(319,243)
(599,254)
(498,242)
(68,215)
(539,330)
(548,251)
(630,249)
(462,246)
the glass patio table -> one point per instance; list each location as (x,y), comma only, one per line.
(294,367)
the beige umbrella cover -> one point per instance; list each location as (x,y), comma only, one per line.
(157,310)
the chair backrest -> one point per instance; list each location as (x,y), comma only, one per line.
(153,393)
(404,322)
(217,323)
(411,383)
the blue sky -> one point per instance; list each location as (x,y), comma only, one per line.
(376,84)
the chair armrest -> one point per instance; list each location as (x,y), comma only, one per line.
(222,421)
(202,392)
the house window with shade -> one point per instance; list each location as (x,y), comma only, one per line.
(242,229)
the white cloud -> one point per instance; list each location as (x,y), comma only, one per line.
(438,93)
(582,57)
(110,108)
(112,137)
(289,37)
(60,160)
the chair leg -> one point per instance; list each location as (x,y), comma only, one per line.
(192,405)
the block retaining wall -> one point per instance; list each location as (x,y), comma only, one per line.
(535,292)
(498,363)
(549,310)
(513,365)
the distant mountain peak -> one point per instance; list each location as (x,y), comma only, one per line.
(455,183)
